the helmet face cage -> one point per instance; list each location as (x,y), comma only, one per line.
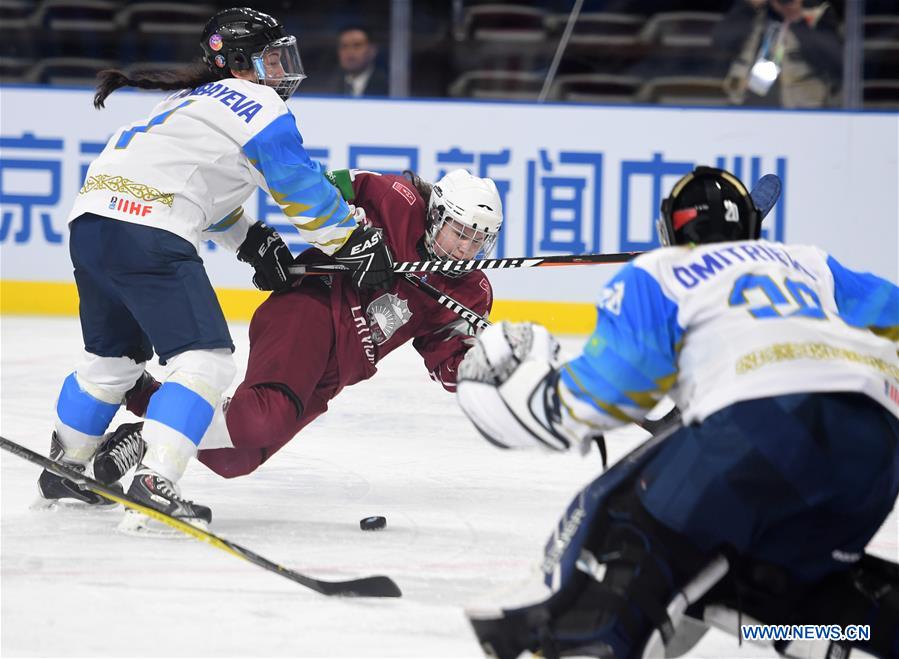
(452,239)
(718,208)
(464,217)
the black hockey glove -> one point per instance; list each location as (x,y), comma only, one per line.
(367,255)
(266,252)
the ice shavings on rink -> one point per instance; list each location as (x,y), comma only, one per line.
(466,524)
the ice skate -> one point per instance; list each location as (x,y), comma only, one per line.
(122,450)
(157,492)
(55,491)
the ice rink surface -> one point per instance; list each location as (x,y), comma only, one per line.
(466,524)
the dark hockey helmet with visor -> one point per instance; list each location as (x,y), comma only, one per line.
(244,39)
(709,205)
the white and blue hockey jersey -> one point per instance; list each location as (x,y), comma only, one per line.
(727,322)
(191,165)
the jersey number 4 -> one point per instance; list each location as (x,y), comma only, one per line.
(793,298)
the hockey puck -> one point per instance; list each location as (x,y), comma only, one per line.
(373,523)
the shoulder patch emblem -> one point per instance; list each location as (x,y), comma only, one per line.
(405,192)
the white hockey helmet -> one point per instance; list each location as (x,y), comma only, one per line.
(465,215)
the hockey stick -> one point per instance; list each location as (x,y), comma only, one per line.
(377,586)
(765,193)
(474,319)
(468,265)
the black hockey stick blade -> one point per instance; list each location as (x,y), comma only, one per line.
(655,426)
(765,193)
(376,586)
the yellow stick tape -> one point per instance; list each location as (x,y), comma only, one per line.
(61,299)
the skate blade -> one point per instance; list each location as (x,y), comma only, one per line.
(50,505)
(138,524)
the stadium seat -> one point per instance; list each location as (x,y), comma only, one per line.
(81,28)
(165,18)
(14,69)
(145,67)
(17,14)
(881,94)
(516,85)
(75,15)
(881,31)
(683,90)
(599,29)
(595,88)
(20,39)
(681,29)
(81,71)
(498,23)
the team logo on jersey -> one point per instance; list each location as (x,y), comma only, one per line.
(891,391)
(215,42)
(123,205)
(386,315)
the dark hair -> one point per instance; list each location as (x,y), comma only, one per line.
(188,77)
(423,187)
(360,27)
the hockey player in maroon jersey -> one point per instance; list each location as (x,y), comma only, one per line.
(323,334)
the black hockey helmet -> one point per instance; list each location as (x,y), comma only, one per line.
(709,205)
(244,39)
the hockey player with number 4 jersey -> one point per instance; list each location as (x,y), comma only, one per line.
(309,342)
(784,364)
(159,187)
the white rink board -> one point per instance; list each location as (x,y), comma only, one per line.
(575,178)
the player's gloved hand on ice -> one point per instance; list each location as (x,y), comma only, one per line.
(507,387)
(367,255)
(264,249)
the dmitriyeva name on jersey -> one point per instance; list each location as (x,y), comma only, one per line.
(711,263)
(237,102)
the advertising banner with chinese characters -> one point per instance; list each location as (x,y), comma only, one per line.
(573,178)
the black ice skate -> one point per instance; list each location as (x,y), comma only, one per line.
(54,490)
(122,449)
(157,492)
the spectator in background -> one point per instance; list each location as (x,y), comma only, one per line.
(787,53)
(359,73)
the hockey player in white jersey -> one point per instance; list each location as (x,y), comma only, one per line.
(160,186)
(784,364)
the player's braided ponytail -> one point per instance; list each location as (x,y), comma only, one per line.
(189,77)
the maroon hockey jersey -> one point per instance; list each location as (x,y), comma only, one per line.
(370,324)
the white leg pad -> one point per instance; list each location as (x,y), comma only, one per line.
(168,451)
(108,378)
(217,435)
(206,372)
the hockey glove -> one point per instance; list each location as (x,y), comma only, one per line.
(264,249)
(507,387)
(366,254)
